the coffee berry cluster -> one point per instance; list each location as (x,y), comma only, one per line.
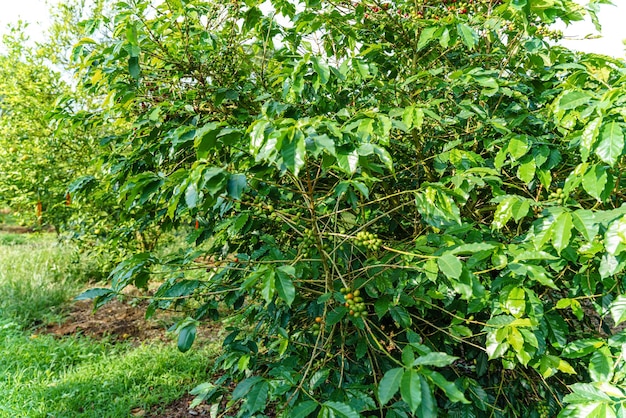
(317,325)
(306,243)
(354,302)
(558,196)
(543,410)
(368,240)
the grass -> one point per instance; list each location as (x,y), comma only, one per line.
(37,278)
(45,376)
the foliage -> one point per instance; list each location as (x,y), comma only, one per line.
(35,164)
(408,208)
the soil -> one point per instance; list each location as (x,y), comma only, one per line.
(180,409)
(16,229)
(116,320)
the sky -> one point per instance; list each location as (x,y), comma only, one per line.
(612,18)
(36,12)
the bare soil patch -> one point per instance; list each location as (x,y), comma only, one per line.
(123,320)
(117,320)
(180,408)
(16,229)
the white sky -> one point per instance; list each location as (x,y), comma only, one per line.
(613,19)
(36,12)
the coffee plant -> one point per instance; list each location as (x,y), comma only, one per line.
(407,208)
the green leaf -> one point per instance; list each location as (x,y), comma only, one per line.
(293,151)
(436,359)
(348,161)
(467,34)
(581,348)
(268,285)
(428,406)
(588,137)
(93,293)
(284,286)
(574,99)
(520,209)
(411,389)
(526,171)
(401,316)
(584,222)
(503,212)
(450,266)
(319,378)
(601,365)
(515,339)
(256,399)
(587,392)
(563,303)
(489,84)
(237,183)
(518,146)
(341,410)
(206,139)
(191,195)
(472,248)
(322,70)
(186,337)
(389,385)
(565,367)
(615,236)
(588,410)
(611,143)
(244,387)
(426,36)
(609,266)
(516,302)
(437,208)
(304,409)
(561,231)
(618,309)
(494,347)
(449,388)
(518,4)
(133,67)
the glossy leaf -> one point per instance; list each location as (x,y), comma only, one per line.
(595,181)
(411,389)
(618,309)
(186,337)
(450,266)
(611,143)
(601,365)
(389,385)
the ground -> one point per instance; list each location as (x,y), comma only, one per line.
(125,321)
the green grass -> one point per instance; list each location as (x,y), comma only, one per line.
(45,376)
(80,377)
(37,277)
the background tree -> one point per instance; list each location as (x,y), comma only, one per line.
(36,165)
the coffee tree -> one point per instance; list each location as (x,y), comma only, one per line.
(401,208)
